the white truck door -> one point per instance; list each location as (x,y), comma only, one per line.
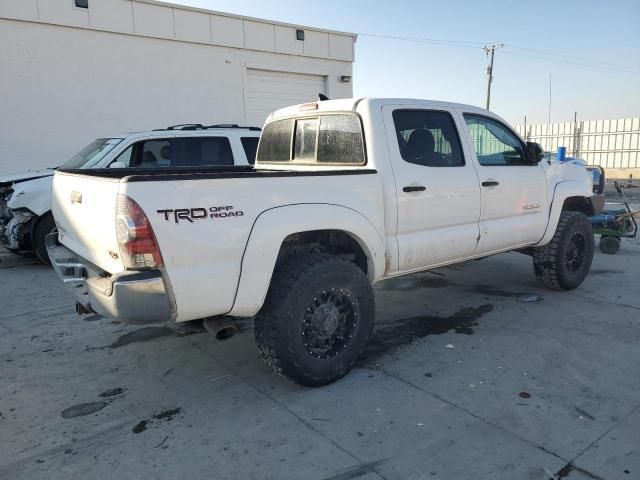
(438,195)
(513,191)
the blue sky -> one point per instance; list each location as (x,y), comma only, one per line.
(598,31)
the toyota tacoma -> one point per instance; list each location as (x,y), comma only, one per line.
(343,194)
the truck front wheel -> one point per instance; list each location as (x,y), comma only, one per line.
(565,261)
(317,318)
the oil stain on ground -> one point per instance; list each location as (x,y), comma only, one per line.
(415,282)
(495,292)
(604,271)
(406,331)
(166,415)
(358,471)
(83,409)
(522,297)
(112,392)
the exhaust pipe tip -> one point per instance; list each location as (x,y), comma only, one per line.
(222,329)
(226,333)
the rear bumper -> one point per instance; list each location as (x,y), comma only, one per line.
(133,297)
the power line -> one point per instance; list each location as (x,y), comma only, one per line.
(582,62)
(431,41)
(571,57)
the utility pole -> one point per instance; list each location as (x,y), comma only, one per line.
(575,134)
(549,129)
(490,49)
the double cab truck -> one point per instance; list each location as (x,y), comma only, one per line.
(343,194)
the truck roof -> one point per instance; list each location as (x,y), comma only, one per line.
(351,104)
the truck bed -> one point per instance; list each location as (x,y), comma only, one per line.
(202,251)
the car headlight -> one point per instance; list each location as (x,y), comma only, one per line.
(6,196)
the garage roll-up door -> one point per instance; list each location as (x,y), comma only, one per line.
(268,91)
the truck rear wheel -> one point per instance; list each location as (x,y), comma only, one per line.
(565,261)
(317,318)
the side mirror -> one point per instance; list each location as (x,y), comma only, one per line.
(117,165)
(534,152)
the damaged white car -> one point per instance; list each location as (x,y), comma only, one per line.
(25,211)
(25,198)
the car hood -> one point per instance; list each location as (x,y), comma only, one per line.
(11,178)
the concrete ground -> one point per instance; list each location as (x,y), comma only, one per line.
(465,378)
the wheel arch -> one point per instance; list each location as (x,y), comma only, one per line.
(578,203)
(336,242)
(34,235)
(36,221)
(567,196)
(333,228)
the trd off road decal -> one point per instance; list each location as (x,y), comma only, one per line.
(193,214)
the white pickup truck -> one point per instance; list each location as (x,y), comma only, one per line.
(344,193)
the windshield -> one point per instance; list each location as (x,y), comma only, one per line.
(90,155)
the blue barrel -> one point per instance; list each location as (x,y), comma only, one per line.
(562,153)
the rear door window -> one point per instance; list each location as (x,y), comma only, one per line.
(203,151)
(181,152)
(428,138)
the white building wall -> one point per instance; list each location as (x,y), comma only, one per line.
(69,75)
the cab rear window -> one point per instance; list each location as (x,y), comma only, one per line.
(334,139)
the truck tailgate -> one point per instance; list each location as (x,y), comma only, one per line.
(84,208)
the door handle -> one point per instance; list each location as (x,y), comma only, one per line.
(490,183)
(414,188)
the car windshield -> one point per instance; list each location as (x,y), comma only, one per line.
(90,155)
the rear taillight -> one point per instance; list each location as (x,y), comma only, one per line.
(136,240)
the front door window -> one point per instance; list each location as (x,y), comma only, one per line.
(494,144)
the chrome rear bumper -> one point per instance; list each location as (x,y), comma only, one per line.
(138,297)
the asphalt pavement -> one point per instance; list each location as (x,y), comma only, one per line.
(475,372)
